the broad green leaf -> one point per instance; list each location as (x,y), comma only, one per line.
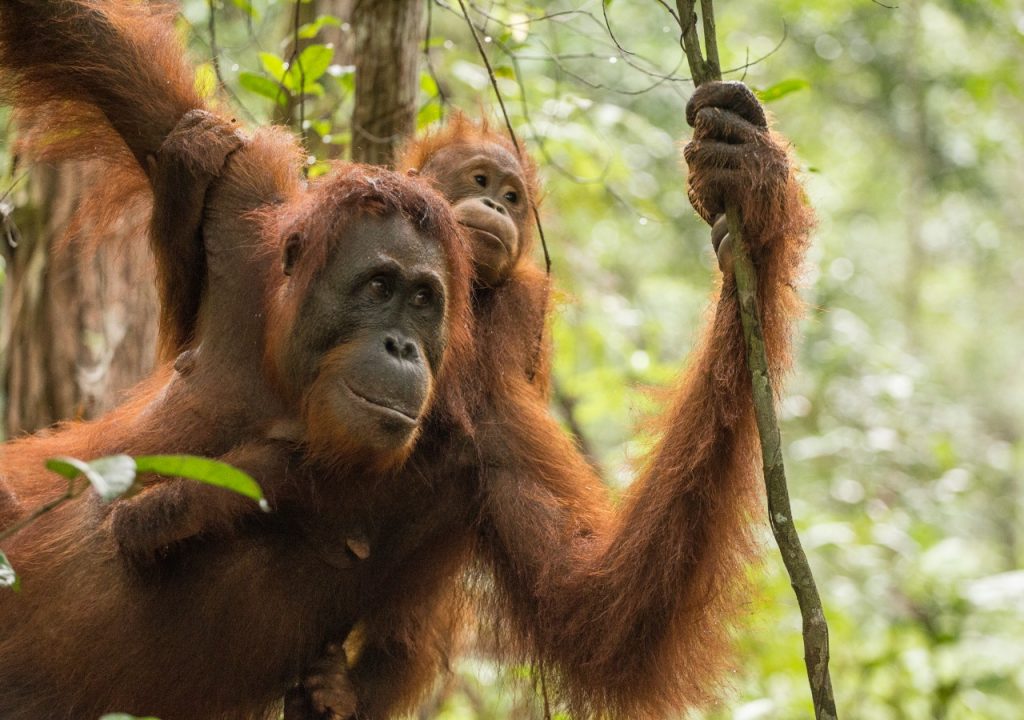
(310,30)
(312,63)
(347,81)
(69,467)
(115,476)
(321,127)
(428,114)
(111,476)
(206,80)
(428,86)
(315,89)
(247,7)
(264,86)
(316,170)
(8,578)
(205,470)
(782,89)
(273,65)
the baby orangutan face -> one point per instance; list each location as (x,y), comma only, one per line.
(484,182)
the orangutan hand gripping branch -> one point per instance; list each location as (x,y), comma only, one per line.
(626,610)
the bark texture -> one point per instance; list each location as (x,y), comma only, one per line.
(389,36)
(79,326)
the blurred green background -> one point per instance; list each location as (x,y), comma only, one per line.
(902,420)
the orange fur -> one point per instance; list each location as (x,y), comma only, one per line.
(627,610)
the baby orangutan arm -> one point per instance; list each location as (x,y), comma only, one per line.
(155,522)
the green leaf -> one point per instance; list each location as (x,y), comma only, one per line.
(347,82)
(247,7)
(781,89)
(321,127)
(428,114)
(111,476)
(428,86)
(116,476)
(273,65)
(505,71)
(310,30)
(315,89)
(205,470)
(313,61)
(8,578)
(316,170)
(206,80)
(263,86)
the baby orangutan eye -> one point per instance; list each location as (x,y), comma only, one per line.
(512,197)
(481,180)
(422,298)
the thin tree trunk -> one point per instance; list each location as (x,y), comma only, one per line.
(79,327)
(389,34)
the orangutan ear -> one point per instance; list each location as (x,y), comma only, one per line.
(292,253)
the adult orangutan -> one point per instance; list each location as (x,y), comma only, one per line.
(337,306)
(626,611)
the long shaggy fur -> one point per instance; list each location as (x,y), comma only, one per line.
(627,610)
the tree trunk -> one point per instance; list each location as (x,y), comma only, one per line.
(79,326)
(389,35)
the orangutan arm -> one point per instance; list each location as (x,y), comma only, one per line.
(154,523)
(630,611)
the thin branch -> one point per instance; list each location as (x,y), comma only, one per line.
(748,63)
(780,513)
(69,494)
(442,98)
(211,26)
(297,55)
(508,125)
(214,52)
(567,404)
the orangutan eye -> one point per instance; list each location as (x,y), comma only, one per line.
(481,180)
(422,298)
(512,197)
(380,288)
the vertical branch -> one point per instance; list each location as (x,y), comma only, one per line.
(296,24)
(508,125)
(707,14)
(441,97)
(211,25)
(815,627)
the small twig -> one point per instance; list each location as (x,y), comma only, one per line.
(780,514)
(508,125)
(297,23)
(567,403)
(211,25)
(442,98)
(71,493)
